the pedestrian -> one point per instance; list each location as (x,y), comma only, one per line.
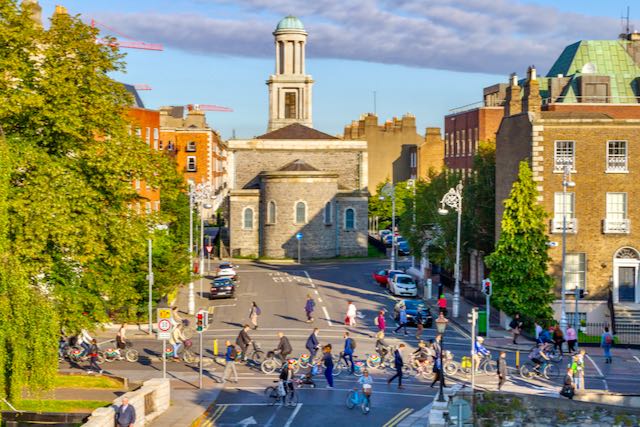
(577,371)
(313,344)
(538,330)
(516,327)
(254,312)
(243,340)
(419,324)
(606,342)
(347,354)
(442,305)
(350,319)
(568,389)
(402,320)
(309,306)
(93,354)
(437,370)
(230,365)
(558,339)
(327,359)
(502,369)
(176,339)
(572,338)
(398,364)
(126,414)
(380,322)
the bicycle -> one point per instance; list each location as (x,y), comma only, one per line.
(256,355)
(546,370)
(77,354)
(275,361)
(552,353)
(184,352)
(129,353)
(305,360)
(282,393)
(375,361)
(486,365)
(357,397)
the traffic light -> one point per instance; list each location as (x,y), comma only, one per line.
(473,316)
(202,321)
(486,287)
(579,293)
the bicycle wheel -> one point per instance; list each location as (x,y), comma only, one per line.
(427,373)
(131,355)
(526,370)
(351,399)
(271,395)
(365,406)
(451,367)
(188,332)
(188,356)
(268,366)
(257,356)
(337,368)
(101,358)
(490,367)
(551,371)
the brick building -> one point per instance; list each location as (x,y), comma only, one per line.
(295,179)
(585,115)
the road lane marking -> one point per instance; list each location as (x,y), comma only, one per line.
(316,291)
(313,285)
(218,413)
(319,299)
(606,386)
(326,313)
(344,389)
(398,417)
(293,415)
(636,357)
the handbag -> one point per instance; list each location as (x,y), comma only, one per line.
(567,391)
(346,321)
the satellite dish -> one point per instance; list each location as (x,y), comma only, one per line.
(589,68)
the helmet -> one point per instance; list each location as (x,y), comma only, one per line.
(480,339)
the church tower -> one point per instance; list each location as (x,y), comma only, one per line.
(290,88)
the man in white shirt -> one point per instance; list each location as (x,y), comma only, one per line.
(351,314)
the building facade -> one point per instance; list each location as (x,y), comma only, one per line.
(296,188)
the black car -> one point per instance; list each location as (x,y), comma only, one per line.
(412,307)
(222,287)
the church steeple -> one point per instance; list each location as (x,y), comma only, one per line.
(290,88)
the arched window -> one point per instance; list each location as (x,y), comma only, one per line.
(247,219)
(327,213)
(349,219)
(301,212)
(271,212)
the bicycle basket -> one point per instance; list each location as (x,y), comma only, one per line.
(358,366)
(76,351)
(304,358)
(188,343)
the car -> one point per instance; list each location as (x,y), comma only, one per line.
(226,269)
(404,285)
(387,239)
(403,247)
(390,276)
(222,287)
(381,277)
(412,306)
(384,233)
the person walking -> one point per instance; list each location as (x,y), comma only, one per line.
(516,327)
(327,360)
(126,414)
(402,320)
(254,312)
(606,342)
(419,324)
(398,364)
(230,365)
(380,322)
(572,338)
(568,388)
(309,306)
(538,330)
(347,354)
(313,344)
(437,370)
(502,369)
(93,354)
(442,305)
(558,339)
(351,314)
(243,340)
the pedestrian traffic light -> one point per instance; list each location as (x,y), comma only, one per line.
(202,321)
(579,293)
(486,287)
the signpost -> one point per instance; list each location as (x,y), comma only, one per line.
(299,238)
(202,323)
(487,288)
(164,333)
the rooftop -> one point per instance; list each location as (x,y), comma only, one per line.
(296,131)
(290,23)
(297,166)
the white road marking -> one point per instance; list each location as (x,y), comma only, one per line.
(316,291)
(636,357)
(606,386)
(293,415)
(341,389)
(224,305)
(326,313)
(313,285)
(319,299)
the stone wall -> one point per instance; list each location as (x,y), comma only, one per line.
(353,242)
(243,242)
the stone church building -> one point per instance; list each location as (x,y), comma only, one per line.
(296,179)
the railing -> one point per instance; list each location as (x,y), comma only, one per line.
(591,333)
(571,225)
(612,310)
(616,226)
(475,105)
(616,163)
(596,99)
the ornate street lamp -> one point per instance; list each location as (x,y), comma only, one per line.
(441,327)
(453,199)
(566,183)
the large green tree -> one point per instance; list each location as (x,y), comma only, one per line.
(519,264)
(380,205)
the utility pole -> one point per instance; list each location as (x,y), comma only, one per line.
(472,318)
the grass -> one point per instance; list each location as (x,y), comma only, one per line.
(87,382)
(43,405)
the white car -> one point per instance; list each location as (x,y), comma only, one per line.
(227,270)
(403,285)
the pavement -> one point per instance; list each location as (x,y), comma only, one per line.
(280,291)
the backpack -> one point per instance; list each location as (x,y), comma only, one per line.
(352,344)
(375,321)
(234,353)
(258,311)
(608,339)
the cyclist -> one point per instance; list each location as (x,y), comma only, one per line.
(284,347)
(243,341)
(121,340)
(347,354)
(313,344)
(479,352)
(366,383)
(382,347)
(539,357)
(176,340)
(423,354)
(286,377)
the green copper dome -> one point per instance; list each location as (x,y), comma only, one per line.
(290,23)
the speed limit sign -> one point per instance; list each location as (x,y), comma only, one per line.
(164,326)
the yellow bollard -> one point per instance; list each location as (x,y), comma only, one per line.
(518,359)
(215,347)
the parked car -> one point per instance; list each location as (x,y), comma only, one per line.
(390,276)
(403,247)
(404,285)
(412,307)
(381,277)
(384,233)
(387,239)
(226,269)
(222,287)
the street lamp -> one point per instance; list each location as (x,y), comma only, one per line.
(453,199)
(197,194)
(201,245)
(566,183)
(412,183)
(441,327)
(389,190)
(150,276)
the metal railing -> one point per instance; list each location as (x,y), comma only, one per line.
(595,99)
(616,226)
(625,333)
(571,224)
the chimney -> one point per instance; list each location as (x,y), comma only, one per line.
(513,104)
(195,118)
(60,10)
(531,101)
(35,10)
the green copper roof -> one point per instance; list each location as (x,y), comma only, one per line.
(290,23)
(603,58)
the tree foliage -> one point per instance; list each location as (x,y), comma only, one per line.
(519,265)
(380,205)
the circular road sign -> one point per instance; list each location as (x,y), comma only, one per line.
(164,325)
(299,236)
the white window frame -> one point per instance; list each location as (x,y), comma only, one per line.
(558,165)
(616,222)
(327,218)
(295,212)
(148,208)
(192,167)
(621,169)
(191,147)
(580,272)
(156,138)
(244,218)
(556,222)
(344,220)
(625,208)
(148,136)
(137,184)
(272,218)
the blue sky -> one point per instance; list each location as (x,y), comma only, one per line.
(420,56)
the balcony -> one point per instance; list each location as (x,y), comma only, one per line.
(572,225)
(616,226)
(617,164)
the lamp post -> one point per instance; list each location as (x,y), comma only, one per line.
(201,245)
(453,199)
(150,275)
(412,183)
(441,327)
(197,194)
(389,190)
(566,183)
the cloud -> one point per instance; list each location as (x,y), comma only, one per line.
(497,36)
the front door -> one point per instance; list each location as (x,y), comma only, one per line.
(627,284)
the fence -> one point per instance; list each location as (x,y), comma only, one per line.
(626,334)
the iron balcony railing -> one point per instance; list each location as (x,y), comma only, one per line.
(557,225)
(616,226)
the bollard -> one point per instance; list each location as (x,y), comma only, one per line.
(215,347)
(518,359)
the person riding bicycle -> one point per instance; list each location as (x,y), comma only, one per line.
(243,341)
(546,336)
(539,357)
(366,383)
(382,347)
(423,354)
(284,347)
(176,340)
(313,345)
(287,375)
(479,352)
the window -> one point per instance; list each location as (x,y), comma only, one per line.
(247,219)
(327,213)
(349,219)
(575,271)
(567,207)
(148,136)
(271,212)
(582,317)
(156,206)
(564,155)
(290,105)
(139,132)
(148,207)
(156,137)
(191,164)
(191,146)
(617,206)
(413,160)
(616,156)
(301,212)
(137,184)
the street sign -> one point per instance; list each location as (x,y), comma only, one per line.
(164,313)
(164,325)
(299,236)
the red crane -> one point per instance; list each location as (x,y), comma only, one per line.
(130,44)
(208,107)
(142,86)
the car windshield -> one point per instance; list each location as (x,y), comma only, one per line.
(220,283)
(413,305)
(382,273)
(405,280)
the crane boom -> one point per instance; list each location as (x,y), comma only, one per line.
(209,107)
(130,43)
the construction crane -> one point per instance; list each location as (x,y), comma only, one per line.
(130,44)
(142,86)
(208,107)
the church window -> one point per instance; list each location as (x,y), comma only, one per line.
(301,212)
(247,219)
(327,213)
(349,219)
(290,105)
(271,212)
(191,146)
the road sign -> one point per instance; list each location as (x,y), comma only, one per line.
(164,313)
(164,325)
(299,236)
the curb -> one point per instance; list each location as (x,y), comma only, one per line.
(205,415)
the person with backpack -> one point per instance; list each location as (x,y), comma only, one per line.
(254,312)
(309,306)
(606,342)
(349,347)
(516,327)
(380,322)
(568,389)
(230,366)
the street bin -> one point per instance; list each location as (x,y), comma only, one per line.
(482,323)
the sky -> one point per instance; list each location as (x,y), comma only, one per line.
(422,57)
